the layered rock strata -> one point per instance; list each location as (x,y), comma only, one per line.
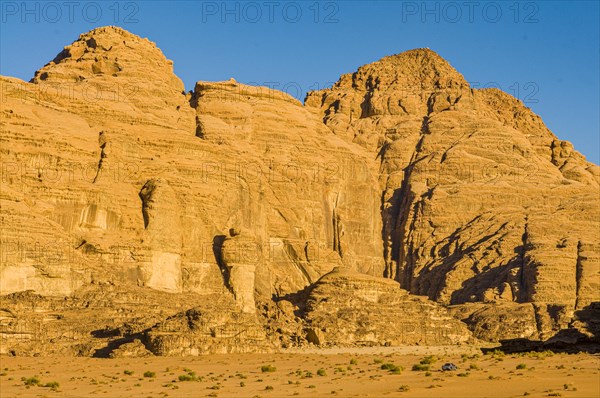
(128,204)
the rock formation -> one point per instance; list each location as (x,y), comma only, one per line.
(481,202)
(345,307)
(240,254)
(119,192)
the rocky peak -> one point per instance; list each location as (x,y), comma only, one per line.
(107,51)
(411,85)
(117,71)
(419,69)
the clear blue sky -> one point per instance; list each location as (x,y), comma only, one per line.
(545,52)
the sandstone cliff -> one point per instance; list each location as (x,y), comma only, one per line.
(120,192)
(481,202)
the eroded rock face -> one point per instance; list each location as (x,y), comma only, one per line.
(98,320)
(162,237)
(123,73)
(479,196)
(114,180)
(134,349)
(241,253)
(348,308)
(197,332)
(501,321)
(305,196)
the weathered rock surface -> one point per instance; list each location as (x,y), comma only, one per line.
(213,331)
(582,334)
(135,349)
(240,253)
(505,321)
(345,307)
(481,202)
(95,321)
(119,190)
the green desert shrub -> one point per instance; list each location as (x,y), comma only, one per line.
(268,368)
(31,381)
(429,360)
(392,368)
(53,385)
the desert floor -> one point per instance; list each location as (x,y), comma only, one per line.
(323,373)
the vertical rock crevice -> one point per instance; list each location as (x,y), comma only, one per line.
(161,268)
(103,142)
(578,276)
(200,130)
(241,253)
(399,245)
(523,289)
(338,229)
(395,229)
